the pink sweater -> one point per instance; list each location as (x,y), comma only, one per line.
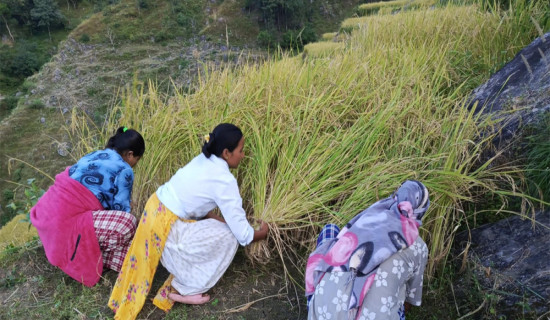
(63,218)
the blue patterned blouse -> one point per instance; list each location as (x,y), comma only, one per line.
(107,176)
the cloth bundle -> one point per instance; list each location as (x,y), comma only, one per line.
(371,237)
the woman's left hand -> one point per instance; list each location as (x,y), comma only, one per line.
(406,209)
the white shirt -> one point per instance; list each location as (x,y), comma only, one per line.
(202,185)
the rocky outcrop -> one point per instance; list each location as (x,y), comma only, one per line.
(511,260)
(522,85)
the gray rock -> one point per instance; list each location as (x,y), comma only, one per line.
(513,261)
(18,94)
(56,75)
(523,84)
(42,120)
(53,101)
(63,149)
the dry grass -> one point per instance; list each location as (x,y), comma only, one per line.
(381,4)
(325,138)
(373,6)
(322,49)
(330,36)
(16,232)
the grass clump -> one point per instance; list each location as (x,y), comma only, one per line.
(326,138)
(322,49)
(36,104)
(16,232)
(368,8)
(329,36)
(385,7)
(538,158)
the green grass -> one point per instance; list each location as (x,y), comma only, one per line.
(123,22)
(537,151)
(327,137)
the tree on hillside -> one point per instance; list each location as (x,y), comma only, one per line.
(17,10)
(4,11)
(282,14)
(23,60)
(46,13)
(74,3)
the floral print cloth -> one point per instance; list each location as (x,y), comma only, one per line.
(135,278)
(107,176)
(371,237)
(397,280)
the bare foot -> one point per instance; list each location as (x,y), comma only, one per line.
(200,298)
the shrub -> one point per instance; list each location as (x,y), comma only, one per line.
(290,40)
(266,39)
(31,195)
(23,60)
(36,104)
(27,85)
(8,103)
(143,4)
(8,194)
(182,19)
(296,39)
(84,38)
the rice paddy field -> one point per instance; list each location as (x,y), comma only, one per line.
(330,131)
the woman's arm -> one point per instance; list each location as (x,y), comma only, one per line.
(212,215)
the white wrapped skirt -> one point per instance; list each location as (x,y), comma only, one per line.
(197,254)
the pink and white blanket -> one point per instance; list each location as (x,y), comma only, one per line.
(371,237)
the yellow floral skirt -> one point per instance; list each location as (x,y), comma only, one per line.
(141,261)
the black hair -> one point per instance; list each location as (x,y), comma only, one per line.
(127,140)
(224,136)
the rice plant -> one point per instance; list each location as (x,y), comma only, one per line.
(369,7)
(322,49)
(329,36)
(326,137)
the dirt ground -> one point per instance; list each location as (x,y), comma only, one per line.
(30,288)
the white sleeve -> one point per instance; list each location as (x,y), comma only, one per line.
(230,203)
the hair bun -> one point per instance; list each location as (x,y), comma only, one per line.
(224,136)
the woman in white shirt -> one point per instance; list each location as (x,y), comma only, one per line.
(198,253)
(179,227)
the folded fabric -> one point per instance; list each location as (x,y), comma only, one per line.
(63,219)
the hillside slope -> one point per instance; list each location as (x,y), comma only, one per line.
(120,44)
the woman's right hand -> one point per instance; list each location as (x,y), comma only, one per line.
(262,233)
